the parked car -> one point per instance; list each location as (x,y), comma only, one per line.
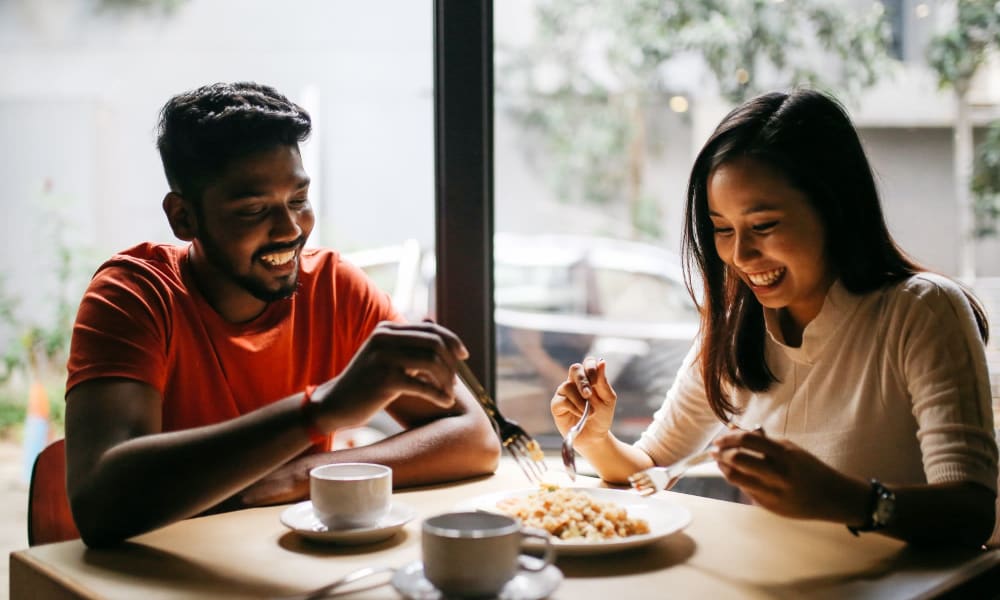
(560,298)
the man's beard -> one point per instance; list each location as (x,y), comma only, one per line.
(256,289)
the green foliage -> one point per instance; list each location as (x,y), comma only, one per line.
(13,411)
(38,339)
(585,86)
(985,182)
(956,55)
(11,415)
(12,358)
(56,390)
(40,347)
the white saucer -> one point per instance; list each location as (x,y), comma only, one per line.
(301,519)
(409,581)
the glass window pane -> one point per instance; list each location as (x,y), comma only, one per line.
(80,92)
(600,109)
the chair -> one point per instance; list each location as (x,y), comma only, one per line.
(49,516)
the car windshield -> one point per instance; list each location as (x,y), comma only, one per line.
(558,300)
(632,296)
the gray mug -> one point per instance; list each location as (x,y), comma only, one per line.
(476,553)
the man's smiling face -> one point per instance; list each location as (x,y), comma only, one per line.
(252,222)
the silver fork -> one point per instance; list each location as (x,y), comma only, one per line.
(651,480)
(568,454)
(525,450)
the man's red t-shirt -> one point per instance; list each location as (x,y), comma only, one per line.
(143,318)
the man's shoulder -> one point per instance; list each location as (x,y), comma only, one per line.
(146,262)
(317,259)
(325,264)
(149,255)
(324,274)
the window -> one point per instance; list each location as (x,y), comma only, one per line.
(599,113)
(80,93)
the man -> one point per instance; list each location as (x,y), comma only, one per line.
(210,376)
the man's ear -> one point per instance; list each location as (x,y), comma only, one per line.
(181,216)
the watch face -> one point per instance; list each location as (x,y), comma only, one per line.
(884,507)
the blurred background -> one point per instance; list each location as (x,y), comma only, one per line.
(600,107)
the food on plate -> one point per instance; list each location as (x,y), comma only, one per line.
(572,515)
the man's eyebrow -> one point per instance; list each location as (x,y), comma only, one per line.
(250,191)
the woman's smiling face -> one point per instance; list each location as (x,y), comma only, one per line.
(771,237)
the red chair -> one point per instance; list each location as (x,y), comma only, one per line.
(49,516)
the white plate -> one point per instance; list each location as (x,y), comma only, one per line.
(664,518)
(301,519)
(410,582)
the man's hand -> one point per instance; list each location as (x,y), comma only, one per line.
(287,483)
(416,360)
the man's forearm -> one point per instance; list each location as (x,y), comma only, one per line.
(152,480)
(443,450)
(446,449)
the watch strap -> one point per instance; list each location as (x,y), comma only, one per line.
(879,493)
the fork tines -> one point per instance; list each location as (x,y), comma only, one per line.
(642,483)
(523,450)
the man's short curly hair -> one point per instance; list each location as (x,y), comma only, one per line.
(202,131)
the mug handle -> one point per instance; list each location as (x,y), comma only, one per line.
(547,558)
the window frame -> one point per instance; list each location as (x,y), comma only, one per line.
(463,163)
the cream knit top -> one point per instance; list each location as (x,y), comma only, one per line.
(891,384)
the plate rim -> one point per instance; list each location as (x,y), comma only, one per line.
(408,514)
(551,569)
(683,519)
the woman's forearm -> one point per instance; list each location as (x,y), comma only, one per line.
(955,513)
(613,459)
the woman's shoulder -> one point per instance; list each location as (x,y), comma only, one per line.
(930,292)
(928,287)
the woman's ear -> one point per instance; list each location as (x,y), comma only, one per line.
(181,216)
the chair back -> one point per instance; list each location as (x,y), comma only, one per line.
(49,516)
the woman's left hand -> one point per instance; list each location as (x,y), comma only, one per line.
(781,476)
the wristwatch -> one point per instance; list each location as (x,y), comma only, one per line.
(881,509)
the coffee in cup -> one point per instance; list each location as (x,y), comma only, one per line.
(475,554)
(350,495)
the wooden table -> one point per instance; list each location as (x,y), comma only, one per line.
(728,551)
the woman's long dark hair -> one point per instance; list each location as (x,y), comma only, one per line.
(808,137)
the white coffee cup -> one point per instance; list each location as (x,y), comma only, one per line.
(350,495)
(476,553)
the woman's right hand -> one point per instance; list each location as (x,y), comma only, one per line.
(585,382)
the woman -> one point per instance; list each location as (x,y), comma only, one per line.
(867,373)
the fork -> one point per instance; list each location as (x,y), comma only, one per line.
(568,454)
(526,452)
(651,480)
